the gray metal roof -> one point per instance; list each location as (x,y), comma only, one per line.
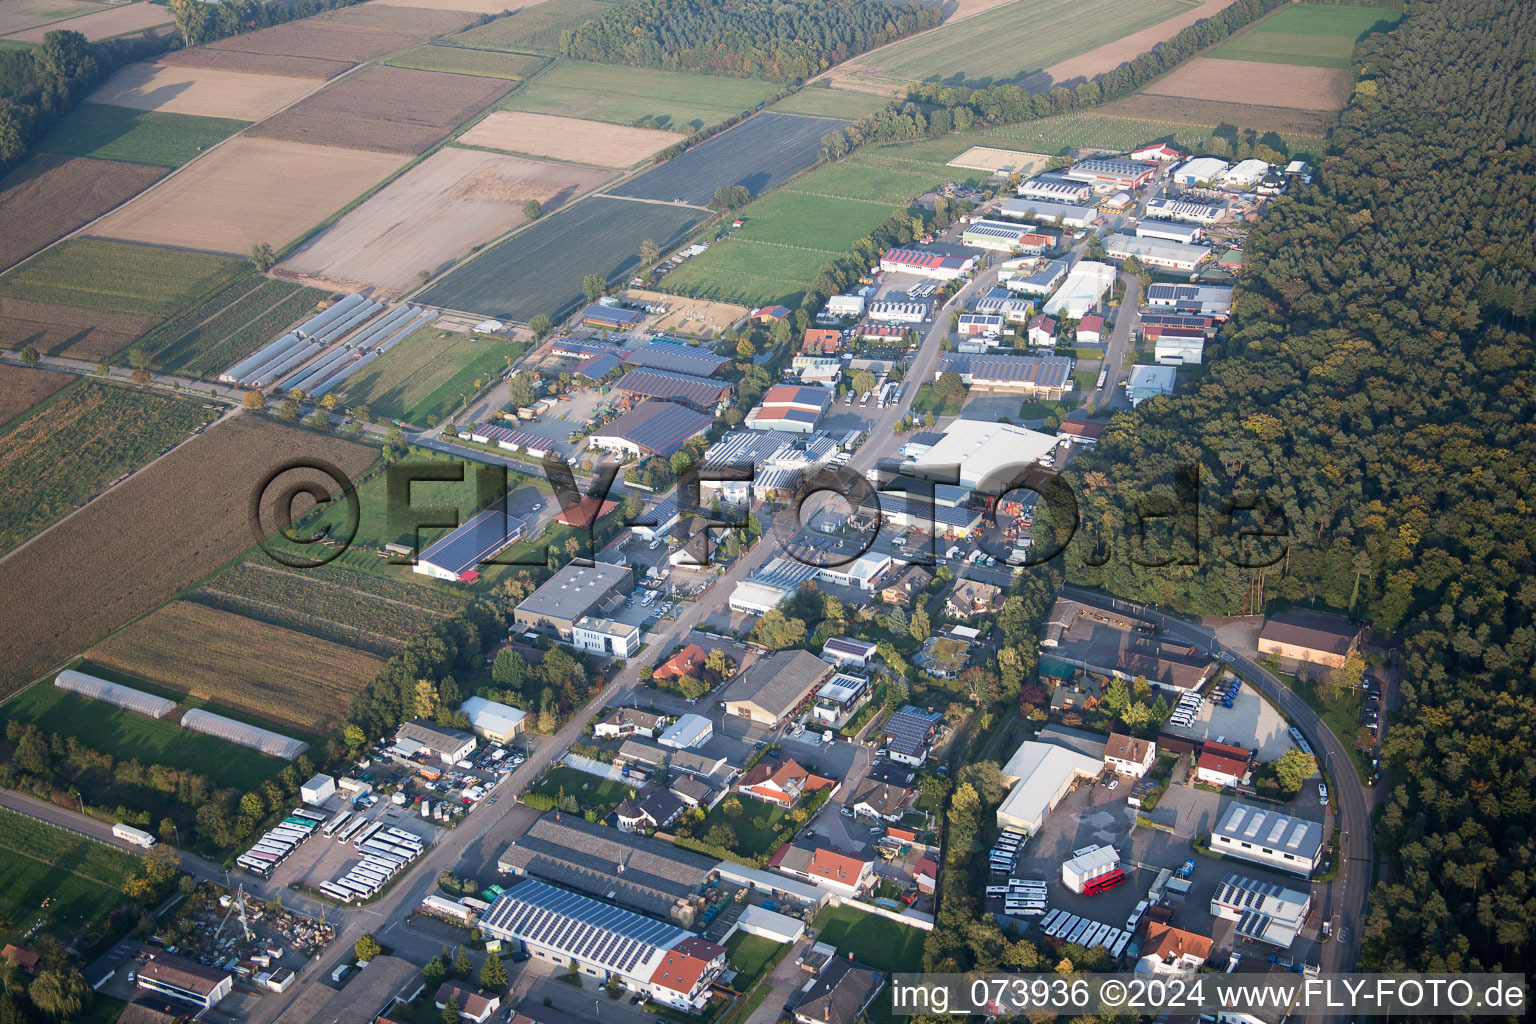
(778,682)
(577,926)
(575,590)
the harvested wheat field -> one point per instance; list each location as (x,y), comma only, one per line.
(421,21)
(105,23)
(159,531)
(51,195)
(201,91)
(392,110)
(284,676)
(567,138)
(702,318)
(316,68)
(68,331)
(1241,81)
(22,387)
(19,15)
(436,213)
(1111,55)
(248,191)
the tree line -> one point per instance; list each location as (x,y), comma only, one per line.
(783,40)
(1377,412)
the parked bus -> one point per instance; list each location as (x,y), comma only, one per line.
(1120,944)
(304,812)
(334,825)
(1104,883)
(369,832)
(336,892)
(409,838)
(1051,919)
(356,826)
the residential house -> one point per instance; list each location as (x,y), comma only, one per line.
(826,866)
(909,733)
(689,661)
(926,874)
(1042,332)
(639,754)
(474,1005)
(781,782)
(23,958)
(904,588)
(1129,755)
(1221,765)
(881,800)
(840,994)
(1090,329)
(846,652)
(970,598)
(686,973)
(823,342)
(695,792)
(622,723)
(1172,951)
(656,808)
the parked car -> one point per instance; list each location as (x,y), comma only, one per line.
(1322,793)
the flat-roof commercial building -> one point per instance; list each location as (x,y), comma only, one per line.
(898,312)
(1042,376)
(1156,252)
(1185,210)
(1244,175)
(921,263)
(1044,211)
(845,305)
(611,318)
(1039,281)
(1198,299)
(1087,283)
(1268,837)
(791,408)
(1002,236)
(1199,170)
(1316,638)
(459,556)
(678,358)
(775,685)
(385,983)
(1059,190)
(185,980)
(419,736)
(571,594)
(1169,230)
(492,720)
(1011,308)
(1112,173)
(651,428)
(1150,382)
(981,325)
(1042,775)
(1264,912)
(1179,346)
(605,637)
(701,393)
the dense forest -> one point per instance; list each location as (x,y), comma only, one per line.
(41,84)
(1377,404)
(786,39)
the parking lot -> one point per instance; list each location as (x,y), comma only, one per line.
(1250,722)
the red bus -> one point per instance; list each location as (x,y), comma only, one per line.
(1104,882)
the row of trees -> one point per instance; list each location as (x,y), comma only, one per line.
(784,39)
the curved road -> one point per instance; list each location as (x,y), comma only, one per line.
(1343,899)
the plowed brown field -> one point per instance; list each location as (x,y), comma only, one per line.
(50,195)
(567,138)
(104,24)
(22,387)
(202,91)
(1243,81)
(68,331)
(257,63)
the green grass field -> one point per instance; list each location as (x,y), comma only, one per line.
(421,378)
(136,136)
(1016,39)
(125,735)
(856,179)
(74,444)
(465,61)
(81,878)
(620,95)
(749,273)
(1308,35)
(749,956)
(534,29)
(118,278)
(831,103)
(750,840)
(230,325)
(874,941)
(588,789)
(810,221)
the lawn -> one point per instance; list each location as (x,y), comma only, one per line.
(533,29)
(420,380)
(859,179)
(588,789)
(118,278)
(810,221)
(465,61)
(126,735)
(73,445)
(832,103)
(1013,40)
(751,957)
(136,136)
(874,941)
(79,878)
(662,99)
(750,273)
(1308,35)
(1341,716)
(751,841)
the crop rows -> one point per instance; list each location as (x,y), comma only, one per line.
(236,333)
(379,586)
(349,608)
(299,622)
(164,340)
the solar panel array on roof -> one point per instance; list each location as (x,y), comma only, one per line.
(1041,371)
(578,347)
(598,313)
(476,541)
(844,645)
(918,510)
(927,260)
(599,367)
(666,384)
(584,929)
(784,572)
(906,731)
(669,355)
(659,428)
(508,438)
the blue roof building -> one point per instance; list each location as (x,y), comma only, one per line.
(651,428)
(458,556)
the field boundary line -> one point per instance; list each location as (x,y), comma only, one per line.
(847,199)
(786,245)
(338,586)
(262,282)
(654,202)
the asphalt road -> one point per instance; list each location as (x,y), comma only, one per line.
(1343,899)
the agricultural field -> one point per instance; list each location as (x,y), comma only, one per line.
(1303,131)
(461,60)
(317,68)
(202,92)
(416,590)
(999,161)
(390,110)
(20,15)
(535,28)
(420,379)
(75,445)
(136,136)
(125,735)
(103,23)
(22,387)
(136,546)
(250,190)
(68,331)
(1111,55)
(50,195)
(539,269)
(359,33)
(230,325)
(759,153)
(289,678)
(1004,44)
(567,138)
(831,103)
(1308,35)
(434,215)
(637,96)
(749,273)
(803,221)
(871,181)
(1250,82)
(80,879)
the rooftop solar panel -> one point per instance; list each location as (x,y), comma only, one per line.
(476,541)
(654,383)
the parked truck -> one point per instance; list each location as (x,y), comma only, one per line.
(136,836)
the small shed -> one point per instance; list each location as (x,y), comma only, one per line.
(318,790)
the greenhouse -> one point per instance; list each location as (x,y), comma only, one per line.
(275,744)
(111,693)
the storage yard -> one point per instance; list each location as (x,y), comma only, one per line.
(249,190)
(567,138)
(206,92)
(436,213)
(51,195)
